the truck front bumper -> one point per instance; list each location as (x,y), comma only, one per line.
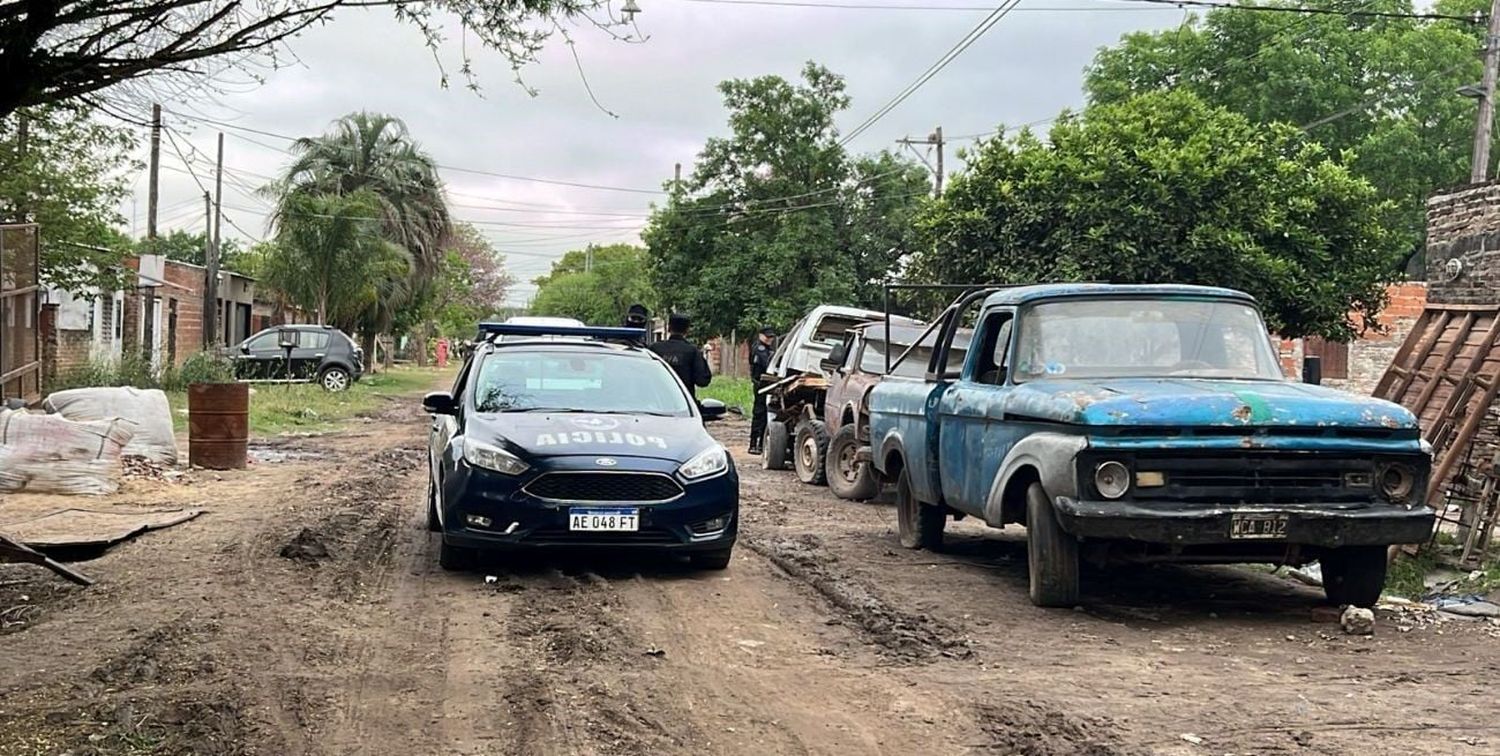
(1324,525)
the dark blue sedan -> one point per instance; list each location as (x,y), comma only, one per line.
(589,441)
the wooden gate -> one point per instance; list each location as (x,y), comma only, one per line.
(20,289)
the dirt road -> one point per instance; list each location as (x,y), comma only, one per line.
(306,614)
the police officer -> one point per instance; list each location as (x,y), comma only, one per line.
(684,356)
(760,364)
(637,316)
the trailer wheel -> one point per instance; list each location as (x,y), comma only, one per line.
(812,448)
(1354,575)
(918,525)
(1051,553)
(849,478)
(777,441)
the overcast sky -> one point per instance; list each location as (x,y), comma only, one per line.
(1028,67)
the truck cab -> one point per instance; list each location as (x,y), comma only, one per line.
(1145,423)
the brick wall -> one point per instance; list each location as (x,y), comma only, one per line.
(186,292)
(1372,353)
(1464,225)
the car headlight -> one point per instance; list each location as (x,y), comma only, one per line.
(709,462)
(1112,479)
(1397,482)
(493,458)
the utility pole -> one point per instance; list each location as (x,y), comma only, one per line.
(151,191)
(935,139)
(211,291)
(1480,169)
(588,259)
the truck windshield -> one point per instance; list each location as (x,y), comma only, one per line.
(549,380)
(1143,338)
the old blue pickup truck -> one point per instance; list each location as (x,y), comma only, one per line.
(1145,423)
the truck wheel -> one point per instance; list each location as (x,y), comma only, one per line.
(456,558)
(1051,553)
(777,442)
(812,448)
(848,478)
(918,525)
(1354,575)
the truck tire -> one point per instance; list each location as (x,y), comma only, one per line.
(810,452)
(848,478)
(1051,553)
(917,525)
(774,456)
(1354,575)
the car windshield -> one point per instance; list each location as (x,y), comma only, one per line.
(1147,338)
(532,380)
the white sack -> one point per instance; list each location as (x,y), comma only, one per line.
(51,454)
(147,409)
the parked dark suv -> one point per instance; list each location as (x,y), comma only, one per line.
(318,354)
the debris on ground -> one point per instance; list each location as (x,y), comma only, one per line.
(1468,605)
(1358,620)
(1311,574)
(306,546)
(141,468)
(94,528)
(14,551)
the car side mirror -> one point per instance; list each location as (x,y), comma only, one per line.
(712,409)
(244,349)
(835,358)
(440,403)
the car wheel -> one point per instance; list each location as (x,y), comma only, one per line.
(811,448)
(334,379)
(433,523)
(456,558)
(918,526)
(1354,575)
(711,560)
(1051,553)
(777,441)
(849,478)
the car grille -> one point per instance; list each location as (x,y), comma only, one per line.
(565,537)
(1224,478)
(641,488)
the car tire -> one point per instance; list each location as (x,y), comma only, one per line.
(434,524)
(334,379)
(456,558)
(777,440)
(1051,553)
(918,526)
(849,478)
(711,560)
(1354,575)
(810,452)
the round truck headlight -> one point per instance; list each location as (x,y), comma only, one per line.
(1397,482)
(1112,479)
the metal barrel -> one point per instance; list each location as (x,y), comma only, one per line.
(218,425)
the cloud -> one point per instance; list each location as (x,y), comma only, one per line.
(1027,67)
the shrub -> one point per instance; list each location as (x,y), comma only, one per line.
(206,367)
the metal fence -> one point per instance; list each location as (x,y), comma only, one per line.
(20,290)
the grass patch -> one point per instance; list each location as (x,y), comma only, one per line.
(277,409)
(1405,576)
(733,392)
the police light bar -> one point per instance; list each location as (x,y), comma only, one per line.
(491,330)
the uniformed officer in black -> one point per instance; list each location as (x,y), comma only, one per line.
(760,364)
(684,356)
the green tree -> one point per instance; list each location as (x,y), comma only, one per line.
(596,284)
(330,256)
(189,247)
(472,283)
(1165,188)
(1381,87)
(777,217)
(70,177)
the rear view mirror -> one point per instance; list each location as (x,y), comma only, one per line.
(835,358)
(712,409)
(440,403)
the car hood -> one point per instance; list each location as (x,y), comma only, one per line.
(542,434)
(1192,402)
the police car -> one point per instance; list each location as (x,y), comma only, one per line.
(583,441)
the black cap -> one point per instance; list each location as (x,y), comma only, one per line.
(637,309)
(677,322)
(768,331)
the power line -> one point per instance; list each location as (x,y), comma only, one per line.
(958,48)
(1309,11)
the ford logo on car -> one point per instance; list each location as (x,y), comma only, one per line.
(606,462)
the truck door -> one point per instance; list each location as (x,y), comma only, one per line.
(973,439)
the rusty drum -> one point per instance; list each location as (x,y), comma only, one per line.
(218,425)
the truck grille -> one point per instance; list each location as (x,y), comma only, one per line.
(639,488)
(1226,478)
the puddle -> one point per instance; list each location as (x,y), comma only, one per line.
(275,454)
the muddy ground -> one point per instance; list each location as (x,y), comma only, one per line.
(305,614)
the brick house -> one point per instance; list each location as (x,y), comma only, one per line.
(1357,366)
